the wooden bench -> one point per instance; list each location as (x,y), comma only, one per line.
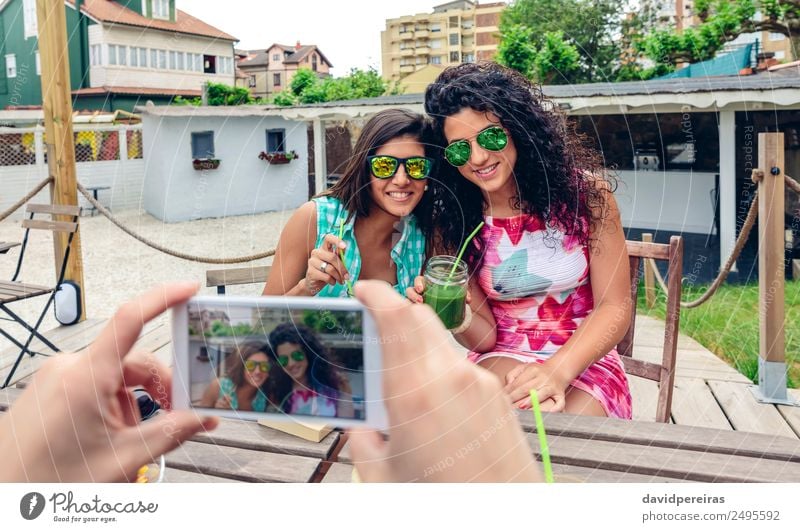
(235,276)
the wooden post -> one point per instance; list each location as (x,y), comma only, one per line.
(649,276)
(60,142)
(771,362)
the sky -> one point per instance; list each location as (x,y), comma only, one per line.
(348,32)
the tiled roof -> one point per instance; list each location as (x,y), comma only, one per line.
(141,91)
(106,11)
(261,57)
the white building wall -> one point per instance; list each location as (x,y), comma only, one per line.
(124,176)
(669,201)
(127,76)
(243,184)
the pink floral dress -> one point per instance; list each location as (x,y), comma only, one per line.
(537,282)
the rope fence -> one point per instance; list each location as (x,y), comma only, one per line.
(741,240)
(8,212)
(185,256)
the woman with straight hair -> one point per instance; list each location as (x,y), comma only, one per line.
(367,226)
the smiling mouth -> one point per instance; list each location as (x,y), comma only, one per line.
(399,196)
(488,171)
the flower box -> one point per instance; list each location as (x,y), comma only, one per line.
(205,164)
(278,157)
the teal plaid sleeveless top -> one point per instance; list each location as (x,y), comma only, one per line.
(408,253)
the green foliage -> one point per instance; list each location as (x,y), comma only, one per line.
(221,94)
(180,100)
(284,98)
(517,50)
(311,89)
(587,51)
(634,72)
(302,80)
(327,322)
(556,60)
(218,328)
(727,324)
(721,22)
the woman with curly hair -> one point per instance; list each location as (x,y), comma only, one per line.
(309,382)
(241,387)
(551,291)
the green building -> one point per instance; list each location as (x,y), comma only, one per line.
(122,53)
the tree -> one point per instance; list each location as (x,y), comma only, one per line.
(303,79)
(219,94)
(721,21)
(556,60)
(516,50)
(590,28)
(311,89)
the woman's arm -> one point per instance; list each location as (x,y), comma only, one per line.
(603,328)
(297,269)
(210,395)
(481,335)
(288,272)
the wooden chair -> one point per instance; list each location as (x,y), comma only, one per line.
(663,373)
(235,276)
(14,290)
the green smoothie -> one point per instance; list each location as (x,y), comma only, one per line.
(448,301)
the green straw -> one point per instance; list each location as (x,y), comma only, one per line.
(463,249)
(341,256)
(537,414)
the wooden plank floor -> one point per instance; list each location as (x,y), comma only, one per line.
(708,392)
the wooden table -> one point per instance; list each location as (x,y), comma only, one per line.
(242,451)
(5,246)
(582,449)
(586,449)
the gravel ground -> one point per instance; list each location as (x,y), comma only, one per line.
(117,267)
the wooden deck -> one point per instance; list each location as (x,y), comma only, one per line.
(708,392)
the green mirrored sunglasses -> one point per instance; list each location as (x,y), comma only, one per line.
(493,138)
(385,166)
(297,356)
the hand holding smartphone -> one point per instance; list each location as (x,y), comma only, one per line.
(271,357)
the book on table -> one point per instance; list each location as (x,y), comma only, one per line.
(308,431)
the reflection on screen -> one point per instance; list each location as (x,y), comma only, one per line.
(304,362)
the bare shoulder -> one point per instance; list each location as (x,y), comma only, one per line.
(302,225)
(305,214)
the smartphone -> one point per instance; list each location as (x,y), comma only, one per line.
(314,360)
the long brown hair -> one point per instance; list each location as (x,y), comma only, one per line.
(235,361)
(353,188)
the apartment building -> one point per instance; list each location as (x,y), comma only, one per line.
(271,70)
(455,32)
(121,53)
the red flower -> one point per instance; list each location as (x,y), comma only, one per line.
(556,321)
(516,226)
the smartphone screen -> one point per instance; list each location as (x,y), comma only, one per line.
(261,357)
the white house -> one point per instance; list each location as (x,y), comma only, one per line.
(179,138)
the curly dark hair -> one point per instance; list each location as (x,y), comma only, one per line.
(556,172)
(353,189)
(323,376)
